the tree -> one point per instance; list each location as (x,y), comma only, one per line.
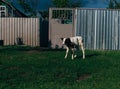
(60,3)
(66,3)
(26,7)
(116,4)
(29,6)
(0,3)
(77,3)
(113,4)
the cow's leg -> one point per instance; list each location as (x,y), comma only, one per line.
(83,50)
(74,53)
(67,50)
(72,49)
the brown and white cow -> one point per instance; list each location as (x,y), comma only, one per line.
(71,43)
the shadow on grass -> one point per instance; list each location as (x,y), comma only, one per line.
(88,54)
(93,55)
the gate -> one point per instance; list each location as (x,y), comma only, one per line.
(61,24)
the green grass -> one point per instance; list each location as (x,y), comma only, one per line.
(31,68)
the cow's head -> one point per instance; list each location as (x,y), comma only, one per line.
(63,40)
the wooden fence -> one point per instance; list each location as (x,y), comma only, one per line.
(19,31)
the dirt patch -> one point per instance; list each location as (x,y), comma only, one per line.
(83,77)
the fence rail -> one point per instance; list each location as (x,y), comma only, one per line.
(20,31)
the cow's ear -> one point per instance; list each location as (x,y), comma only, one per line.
(61,39)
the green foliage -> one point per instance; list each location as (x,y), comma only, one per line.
(0,3)
(61,3)
(31,68)
(111,5)
(77,3)
(29,6)
(26,7)
(66,3)
(45,14)
(114,4)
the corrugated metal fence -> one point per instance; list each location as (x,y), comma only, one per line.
(21,31)
(100,28)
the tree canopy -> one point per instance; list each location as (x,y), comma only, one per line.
(66,3)
(0,3)
(114,4)
(29,6)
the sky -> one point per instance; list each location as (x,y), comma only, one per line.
(96,4)
(45,4)
(87,4)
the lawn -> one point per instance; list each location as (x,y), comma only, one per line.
(33,68)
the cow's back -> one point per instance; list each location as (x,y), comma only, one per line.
(76,39)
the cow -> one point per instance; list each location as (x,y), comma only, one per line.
(72,43)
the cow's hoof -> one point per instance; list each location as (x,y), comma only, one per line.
(75,56)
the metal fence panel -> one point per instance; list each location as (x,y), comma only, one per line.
(100,28)
(26,30)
